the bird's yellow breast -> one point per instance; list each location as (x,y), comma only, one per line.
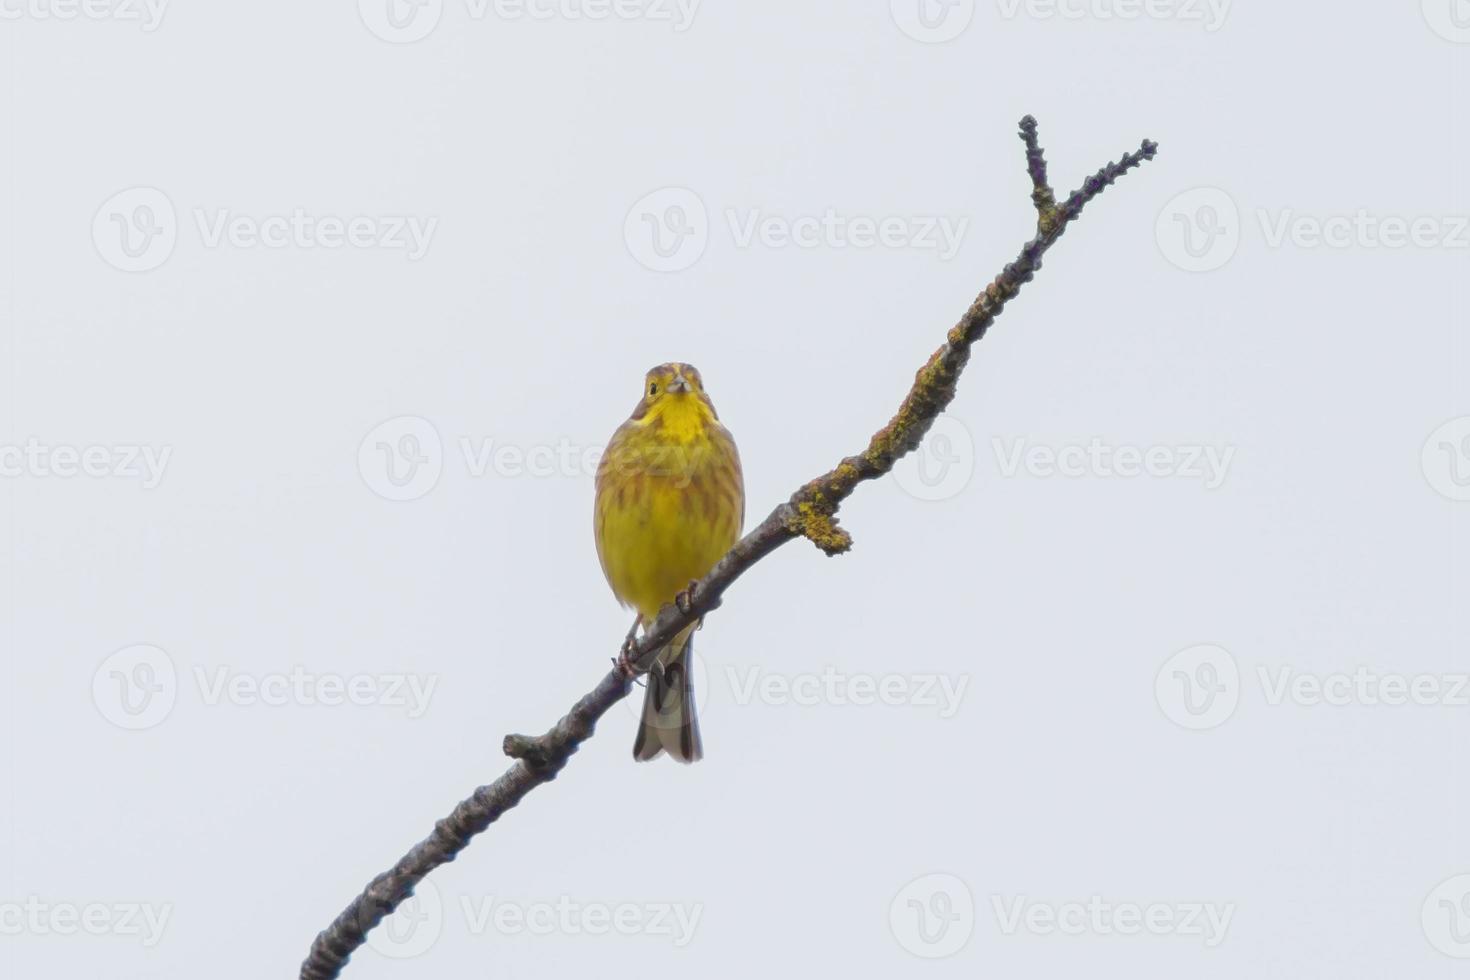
(670,502)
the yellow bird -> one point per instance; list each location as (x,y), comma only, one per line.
(670,503)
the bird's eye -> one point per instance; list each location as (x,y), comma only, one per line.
(653,388)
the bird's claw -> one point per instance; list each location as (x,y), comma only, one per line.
(625,660)
(685,600)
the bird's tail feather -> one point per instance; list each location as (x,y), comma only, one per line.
(669,721)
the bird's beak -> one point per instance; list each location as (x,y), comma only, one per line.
(678,386)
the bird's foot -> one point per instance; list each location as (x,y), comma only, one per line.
(685,600)
(625,661)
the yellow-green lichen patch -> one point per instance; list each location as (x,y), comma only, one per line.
(819,526)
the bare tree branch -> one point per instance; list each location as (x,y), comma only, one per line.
(1041,192)
(810,513)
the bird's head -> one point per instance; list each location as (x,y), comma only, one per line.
(675,388)
(672,380)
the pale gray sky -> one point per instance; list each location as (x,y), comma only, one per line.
(1151,665)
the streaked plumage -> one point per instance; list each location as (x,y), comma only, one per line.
(670,502)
